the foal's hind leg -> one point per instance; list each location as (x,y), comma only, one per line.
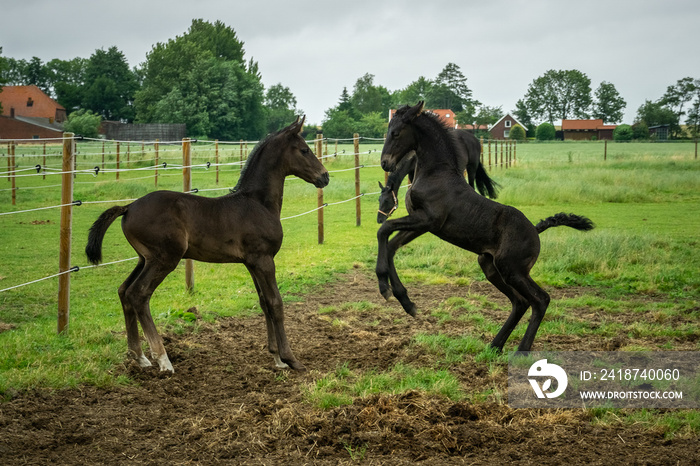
(518,303)
(130,319)
(139,293)
(519,278)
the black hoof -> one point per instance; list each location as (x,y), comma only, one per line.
(412,310)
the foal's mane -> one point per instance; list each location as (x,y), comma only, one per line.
(252,159)
(440,126)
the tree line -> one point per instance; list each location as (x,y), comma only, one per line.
(203,79)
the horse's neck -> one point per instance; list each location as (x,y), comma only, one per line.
(263,181)
(436,149)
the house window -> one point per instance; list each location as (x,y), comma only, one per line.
(508,123)
(30,102)
(506,134)
(447,115)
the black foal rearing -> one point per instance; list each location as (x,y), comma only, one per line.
(441,202)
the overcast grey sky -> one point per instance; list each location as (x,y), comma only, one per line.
(316,48)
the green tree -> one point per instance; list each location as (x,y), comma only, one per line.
(37,74)
(15,71)
(372,125)
(546,132)
(517,133)
(656,114)
(686,91)
(68,81)
(205,68)
(523,115)
(561,94)
(450,90)
(488,115)
(368,98)
(280,105)
(640,130)
(345,103)
(608,105)
(623,133)
(216,99)
(678,95)
(693,120)
(110,85)
(338,124)
(84,123)
(413,93)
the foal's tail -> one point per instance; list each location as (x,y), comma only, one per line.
(485,184)
(98,230)
(565,220)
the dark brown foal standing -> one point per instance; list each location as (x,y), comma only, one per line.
(244,226)
(441,202)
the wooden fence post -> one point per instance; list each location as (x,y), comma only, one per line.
(489,154)
(155,148)
(117,160)
(13,166)
(502,142)
(605,151)
(216,155)
(319,154)
(358,209)
(187,187)
(65,233)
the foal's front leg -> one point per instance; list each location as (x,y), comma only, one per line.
(263,272)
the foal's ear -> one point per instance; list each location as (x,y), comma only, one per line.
(380,185)
(414,111)
(297,127)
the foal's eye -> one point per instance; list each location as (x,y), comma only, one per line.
(306,151)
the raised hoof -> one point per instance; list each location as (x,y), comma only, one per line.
(387,294)
(412,310)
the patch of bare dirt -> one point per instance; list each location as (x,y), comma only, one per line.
(226,404)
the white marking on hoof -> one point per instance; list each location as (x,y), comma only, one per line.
(143,361)
(279,364)
(164,364)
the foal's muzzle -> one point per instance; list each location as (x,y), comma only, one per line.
(323,180)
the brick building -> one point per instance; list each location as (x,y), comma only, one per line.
(28,113)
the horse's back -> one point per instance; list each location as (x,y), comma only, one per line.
(207,229)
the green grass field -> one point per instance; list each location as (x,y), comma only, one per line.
(644,199)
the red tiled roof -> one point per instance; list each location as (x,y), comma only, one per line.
(446,114)
(581,125)
(19,98)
